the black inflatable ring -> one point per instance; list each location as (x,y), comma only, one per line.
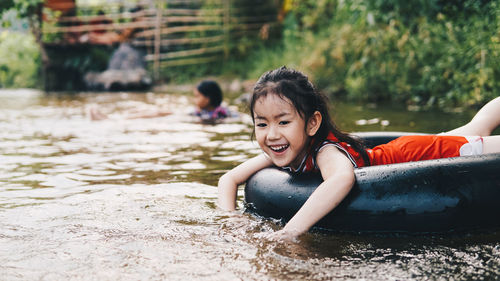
(442,195)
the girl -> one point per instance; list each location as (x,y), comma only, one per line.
(208,99)
(294,130)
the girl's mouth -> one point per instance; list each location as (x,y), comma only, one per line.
(279,148)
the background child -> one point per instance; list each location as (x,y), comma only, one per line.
(293,128)
(207,98)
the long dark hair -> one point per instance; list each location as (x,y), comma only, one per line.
(211,90)
(296,87)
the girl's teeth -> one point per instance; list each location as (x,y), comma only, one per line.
(279,148)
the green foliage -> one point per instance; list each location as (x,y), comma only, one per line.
(25,8)
(19,60)
(427,53)
(6,5)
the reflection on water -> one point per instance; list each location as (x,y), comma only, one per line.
(135,199)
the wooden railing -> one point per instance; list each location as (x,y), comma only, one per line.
(172,32)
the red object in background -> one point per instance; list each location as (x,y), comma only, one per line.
(67,7)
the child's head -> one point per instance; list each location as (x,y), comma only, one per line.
(291,91)
(294,86)
(208,95)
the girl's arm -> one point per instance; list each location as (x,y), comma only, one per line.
(228,183)
(338,175)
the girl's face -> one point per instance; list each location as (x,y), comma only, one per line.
(280,130)
(201,101)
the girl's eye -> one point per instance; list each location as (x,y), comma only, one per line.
(262,125)
(284,122)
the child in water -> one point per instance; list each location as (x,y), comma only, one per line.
(207,99)
(293,128)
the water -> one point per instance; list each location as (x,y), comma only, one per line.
(134,199)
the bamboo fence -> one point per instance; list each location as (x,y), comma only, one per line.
(172,32)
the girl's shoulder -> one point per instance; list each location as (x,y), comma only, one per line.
(332,157)
(352,154)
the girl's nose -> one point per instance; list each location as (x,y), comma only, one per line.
(273,133)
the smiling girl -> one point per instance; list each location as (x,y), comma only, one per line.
(294,129)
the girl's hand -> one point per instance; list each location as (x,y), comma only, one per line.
(228,183)
(281,236)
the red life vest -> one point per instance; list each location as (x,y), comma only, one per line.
(309,163)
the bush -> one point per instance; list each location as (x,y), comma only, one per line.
(19,60)
(431,53)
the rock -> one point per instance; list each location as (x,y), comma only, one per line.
(126,57)
(126,71)
(118,80)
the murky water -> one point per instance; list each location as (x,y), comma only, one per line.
(134,199)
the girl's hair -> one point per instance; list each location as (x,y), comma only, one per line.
(212,91)
(295,86)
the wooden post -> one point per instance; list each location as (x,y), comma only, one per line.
(157,40)
(226,27)
(35,23)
